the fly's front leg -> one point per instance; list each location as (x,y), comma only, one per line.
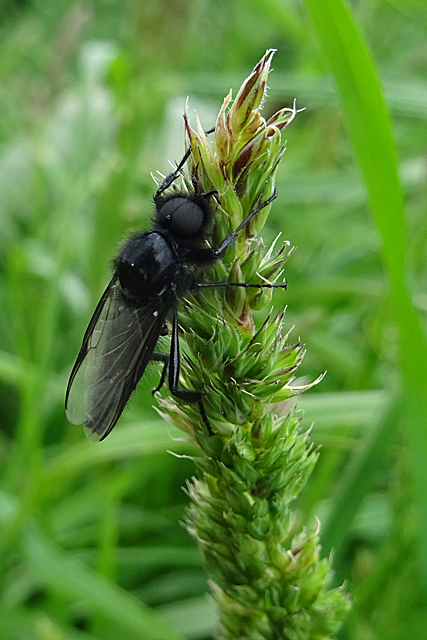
(191,396)
(232,237)
(171,177)
(204,256)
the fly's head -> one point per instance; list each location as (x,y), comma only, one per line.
(186,218)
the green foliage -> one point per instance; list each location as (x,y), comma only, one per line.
(92,97)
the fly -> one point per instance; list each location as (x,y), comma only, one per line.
(151,274)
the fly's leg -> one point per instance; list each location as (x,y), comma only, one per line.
(171,177)
(207,255)
(160,357)
(191,396)
(232,237)
(203,256)
(246,285)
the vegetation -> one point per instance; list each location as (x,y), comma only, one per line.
(92,101)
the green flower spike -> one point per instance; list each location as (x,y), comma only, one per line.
(266,578)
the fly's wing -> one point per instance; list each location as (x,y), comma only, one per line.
(117,346)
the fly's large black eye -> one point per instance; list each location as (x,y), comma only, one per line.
(181,216)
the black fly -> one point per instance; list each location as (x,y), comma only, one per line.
(152,273)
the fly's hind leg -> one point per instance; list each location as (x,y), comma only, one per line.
(160,357)
(191,396)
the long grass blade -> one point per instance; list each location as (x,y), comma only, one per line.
(370,130)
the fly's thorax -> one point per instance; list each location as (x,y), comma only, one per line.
(148,267)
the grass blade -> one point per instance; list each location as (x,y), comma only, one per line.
(370,130)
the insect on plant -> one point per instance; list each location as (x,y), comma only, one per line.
(153,271)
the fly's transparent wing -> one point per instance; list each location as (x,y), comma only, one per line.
(116,349)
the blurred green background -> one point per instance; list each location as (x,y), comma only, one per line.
(91,101)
